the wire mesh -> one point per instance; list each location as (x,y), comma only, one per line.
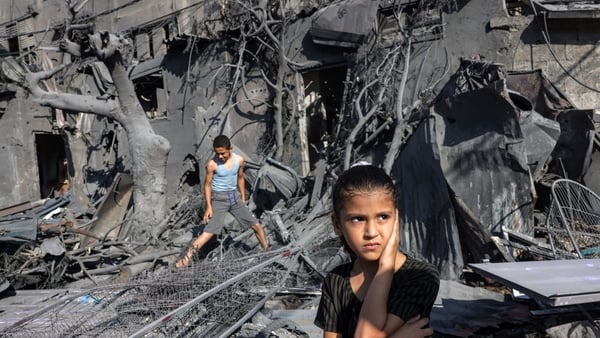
(227,290)
(573,221)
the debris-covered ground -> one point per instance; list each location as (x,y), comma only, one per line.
(495,163)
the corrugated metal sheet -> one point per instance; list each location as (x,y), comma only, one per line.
(556,283)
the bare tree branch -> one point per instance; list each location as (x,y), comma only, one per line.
(399,130)
(66,101)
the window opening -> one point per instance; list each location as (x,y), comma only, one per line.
(150,91)
(323,100)
(51,158)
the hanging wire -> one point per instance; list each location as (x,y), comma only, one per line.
(545,35)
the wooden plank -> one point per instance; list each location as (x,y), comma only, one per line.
(13,209)
(319,178)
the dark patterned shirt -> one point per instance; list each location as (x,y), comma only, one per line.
(413,291)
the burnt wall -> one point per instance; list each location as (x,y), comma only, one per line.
(18,165)
(568,55)
(484,28)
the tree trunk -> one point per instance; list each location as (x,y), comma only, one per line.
(149,153)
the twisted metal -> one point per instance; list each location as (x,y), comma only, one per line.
(573,221)
(206,299)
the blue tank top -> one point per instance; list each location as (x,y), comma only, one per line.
(225,179)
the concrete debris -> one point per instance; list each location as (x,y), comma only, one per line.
(344,24)
(483,112)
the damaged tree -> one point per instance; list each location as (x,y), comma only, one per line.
(379,103)
(467,182)
(149,151)
(262,36)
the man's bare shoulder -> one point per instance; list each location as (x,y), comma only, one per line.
(211,165)
(240,159)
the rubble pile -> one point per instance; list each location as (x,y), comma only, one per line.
(495,167)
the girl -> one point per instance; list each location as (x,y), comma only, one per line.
(382,292)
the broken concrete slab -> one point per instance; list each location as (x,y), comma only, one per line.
(112,209)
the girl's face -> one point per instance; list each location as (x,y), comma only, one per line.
(366,221)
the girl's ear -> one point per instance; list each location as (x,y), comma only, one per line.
(398,218)
(398,227)
(336,224)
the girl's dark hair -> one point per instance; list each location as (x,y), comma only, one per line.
(360,178)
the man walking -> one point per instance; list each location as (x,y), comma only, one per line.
(224,176)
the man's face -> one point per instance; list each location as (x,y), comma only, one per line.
(223,153)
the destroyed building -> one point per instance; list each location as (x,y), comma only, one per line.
(476,108)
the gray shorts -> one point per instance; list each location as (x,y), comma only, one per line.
(228,201)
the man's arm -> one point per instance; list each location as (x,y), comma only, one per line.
(211,166)
(240,179)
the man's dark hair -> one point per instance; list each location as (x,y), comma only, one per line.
(222,141)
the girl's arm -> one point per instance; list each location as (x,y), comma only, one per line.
(374,320)
(413,328)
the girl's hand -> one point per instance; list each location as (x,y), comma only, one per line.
(390,251)
(414,328)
